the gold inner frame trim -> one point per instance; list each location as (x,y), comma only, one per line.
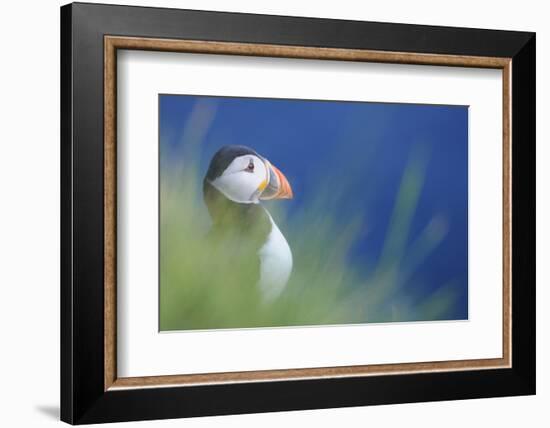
(113,43)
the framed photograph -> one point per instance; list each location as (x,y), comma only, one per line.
(266,213)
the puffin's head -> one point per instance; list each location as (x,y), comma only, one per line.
(243,176)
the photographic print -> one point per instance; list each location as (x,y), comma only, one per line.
(290,212)
(231,204)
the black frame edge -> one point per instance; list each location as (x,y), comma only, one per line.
(83,399)
(66,306)
(524,214)
(305,31)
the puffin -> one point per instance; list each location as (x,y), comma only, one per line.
(238,179)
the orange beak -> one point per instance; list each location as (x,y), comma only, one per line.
(285,191)
(277,186)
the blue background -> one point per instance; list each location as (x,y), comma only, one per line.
(367,146)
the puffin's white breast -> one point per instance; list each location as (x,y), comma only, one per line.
(275,263)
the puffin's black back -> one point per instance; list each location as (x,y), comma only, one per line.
(238,230)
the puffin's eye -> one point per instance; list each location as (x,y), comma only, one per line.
(250,167)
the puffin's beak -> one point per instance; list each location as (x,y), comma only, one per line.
(276,186)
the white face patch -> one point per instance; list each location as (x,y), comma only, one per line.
(241,180)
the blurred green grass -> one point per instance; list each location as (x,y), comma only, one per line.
(202,290)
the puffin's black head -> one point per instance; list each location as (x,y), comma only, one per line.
(223,158)
(241,175)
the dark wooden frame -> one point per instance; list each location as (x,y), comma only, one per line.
(114,43)
(90,35)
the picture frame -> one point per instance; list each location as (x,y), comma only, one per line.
(91,390)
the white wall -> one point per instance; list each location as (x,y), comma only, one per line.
(29,195)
